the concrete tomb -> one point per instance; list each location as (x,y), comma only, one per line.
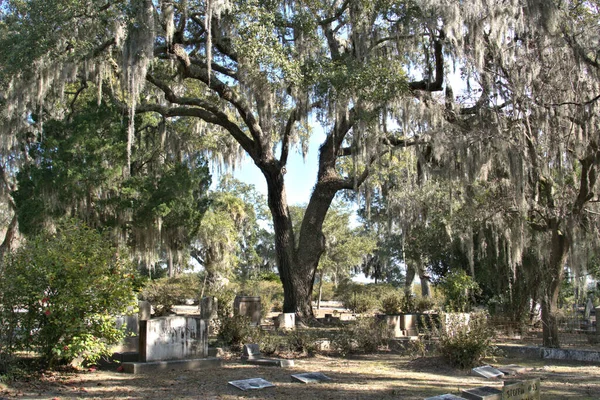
(311,377)
(173,338)
(249,384)
(487,371)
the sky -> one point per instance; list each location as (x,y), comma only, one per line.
(301,173)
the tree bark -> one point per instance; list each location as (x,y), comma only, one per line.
(552,279)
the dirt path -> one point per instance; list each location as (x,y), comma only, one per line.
(381,376)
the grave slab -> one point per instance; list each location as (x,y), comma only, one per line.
(311,377)
(487,371)
(482,393)
(523,390)
(271,362)
(251,384)
(512,369)
(445,397)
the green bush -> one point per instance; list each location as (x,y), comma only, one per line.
(458,288)
(60,294)
(235,330)
(462,344)
(362,298)
(365,335)
(164,293)
(391,303)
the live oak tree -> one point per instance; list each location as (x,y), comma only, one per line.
(255,73)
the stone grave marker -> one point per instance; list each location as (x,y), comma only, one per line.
(286,321)
(512,369)
(209,307)
(249,384)
(311,377)
(248,306)
(487,371)
(523,390)
(445,397)
(482,393)
(173,338)
(145,312)
(251,352)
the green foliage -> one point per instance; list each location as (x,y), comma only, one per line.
(362,298)
(269,291)
(465,344)
(60,294)
(365,335)
(392,303)
(164,293)
(458,287)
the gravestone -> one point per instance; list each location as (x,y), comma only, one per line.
(248,306)
(145,312)
(311,377)
(445,397)
(251,352)
(408,323)
(482,393)
(249,384)
(393,323)
(512,369)
(487,371)
(286,321)
(523,390)
(209,308)
(173,338)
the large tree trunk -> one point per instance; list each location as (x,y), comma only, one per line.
(552,280)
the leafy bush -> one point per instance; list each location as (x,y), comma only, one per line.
(235,330)
(364,335)
(465,344)
(458,287)
(60,294)
(164,293)
(392,303)
(362,298)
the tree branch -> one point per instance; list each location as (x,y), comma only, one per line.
(436,85)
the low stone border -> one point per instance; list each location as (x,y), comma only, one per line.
(591,356)
(197,363)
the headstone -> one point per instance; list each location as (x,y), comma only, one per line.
(251,352)
(173,338)
(482,393)
(311,377)
(254,383)
(393,323)
(512,369)
(445,397)
(286,321)
(589,306)
(145,312)
(209,307)
(248,306)
(523,390)
(130,324)
(487,371)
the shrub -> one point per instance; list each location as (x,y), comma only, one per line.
(462,344)
(60,294)
(457,288)
(364,335)
(164,293)
(392,303)
(362,298)
(235,330)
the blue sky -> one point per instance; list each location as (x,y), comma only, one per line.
(301,174)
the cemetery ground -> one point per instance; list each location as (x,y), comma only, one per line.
(383,375)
